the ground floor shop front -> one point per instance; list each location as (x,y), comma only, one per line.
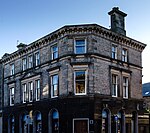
(77,114)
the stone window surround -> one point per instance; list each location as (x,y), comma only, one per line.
(26,81)
(12,69)
(10,86)
(124,54)
(54,52)
(52,73)
(120,76)
(114,52)
(81,68)
(80,38)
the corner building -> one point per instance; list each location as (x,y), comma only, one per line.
(80,78)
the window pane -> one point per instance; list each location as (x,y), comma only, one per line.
(80,49)
(80,46)
(54,52)
(37,89)
(80,42)
(54,85)
(37,59)
(80,81)
(114,85)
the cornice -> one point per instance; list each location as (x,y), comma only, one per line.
(74,30)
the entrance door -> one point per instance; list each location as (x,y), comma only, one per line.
(80,125)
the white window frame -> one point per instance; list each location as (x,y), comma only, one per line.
(12,95)
(30,85)
(124,55)
(25,92)
(24,64)
(125,87)
(37,89)
(83,45)
(115,85)
(114,52)
(52,73)
(37,58)
(54,52)
(52,85)
(12,69)
(30,61)
(80,68)
(80,119)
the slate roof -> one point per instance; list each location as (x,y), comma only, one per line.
(146,89)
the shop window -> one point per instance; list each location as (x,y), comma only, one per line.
(54,121)
(80,46)
(38,122)
(11,124)
(105,121)
(26,124)
(120,122)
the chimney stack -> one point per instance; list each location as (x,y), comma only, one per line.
(117,21)
(21,46)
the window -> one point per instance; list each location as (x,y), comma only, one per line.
(25,93)
(80,46)
(37,89)
(80,82)
(30,61)
(30,91)
(124,55)
(54,85)
(114,85)
(125,87)
(114,52)
(38,122)
(11,124)
(12,96)
(54,51)
(12,69)
(55,121)
(105,121)
(26,124)
(24,64)
(37,59)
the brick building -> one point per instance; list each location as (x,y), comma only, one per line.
(80,78)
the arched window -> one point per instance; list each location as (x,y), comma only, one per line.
(105,121)
(38,122)
(11,125)
(24,123)
(120,122)
(54,121)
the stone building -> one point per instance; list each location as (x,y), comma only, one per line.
(79,78)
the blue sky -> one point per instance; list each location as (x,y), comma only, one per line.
(28,20)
